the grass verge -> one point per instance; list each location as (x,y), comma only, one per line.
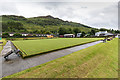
(1,45)
(98,61)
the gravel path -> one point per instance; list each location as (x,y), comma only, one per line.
(16,64)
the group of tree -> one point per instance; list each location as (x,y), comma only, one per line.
(63,31)
(110,30)
(12,26)
(5,35)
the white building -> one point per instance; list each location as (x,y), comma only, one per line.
(118,36)
(78,34)
(101,33)
(11,34)
(69,35)
(24,34)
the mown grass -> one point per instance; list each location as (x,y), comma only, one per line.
(31,47)
(98,61)
(1,45)
(119,57)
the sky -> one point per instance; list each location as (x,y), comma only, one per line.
(97,14)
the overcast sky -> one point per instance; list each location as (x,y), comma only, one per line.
(103,14)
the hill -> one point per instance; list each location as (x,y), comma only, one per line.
(40,24)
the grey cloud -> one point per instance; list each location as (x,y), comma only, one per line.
(86,13)
(108,19)
(8,8)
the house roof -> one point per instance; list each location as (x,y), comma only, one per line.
(9,32)
(24,33)
(101,32)
(68,34)
(108,34)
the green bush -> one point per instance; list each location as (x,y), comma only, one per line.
(5,35)
(17,35)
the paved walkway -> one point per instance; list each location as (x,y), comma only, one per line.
(16,64)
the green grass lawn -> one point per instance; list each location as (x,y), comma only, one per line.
(98,61)
(1,45)
(31,47)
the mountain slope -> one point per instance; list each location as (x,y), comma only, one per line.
(41,24)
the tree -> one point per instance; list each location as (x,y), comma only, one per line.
(69,31)
(117,31)
(5,35)
(92,32)
(34,35)
(17,35)
(76,30)
(42,31)
(36,31)
(62,31)
(12,26)
(83,34)
(48,32)
(103,29)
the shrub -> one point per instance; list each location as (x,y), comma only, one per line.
(5,35)
(17,35)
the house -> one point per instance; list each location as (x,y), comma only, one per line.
(49,36)
(69,35)
(11,34)
(24,34)
(30,35)
(78,34)
(118,36)
(61,36)
(37,35)
(109,34)
(42,35)
(103,33)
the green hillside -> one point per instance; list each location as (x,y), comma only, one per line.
(41,24)
(46,25)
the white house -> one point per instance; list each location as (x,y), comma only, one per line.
(37,34)
(24,34)
(118,36)
(69,35)
(101,33)
(79,34)
(109,34)
(11,34)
